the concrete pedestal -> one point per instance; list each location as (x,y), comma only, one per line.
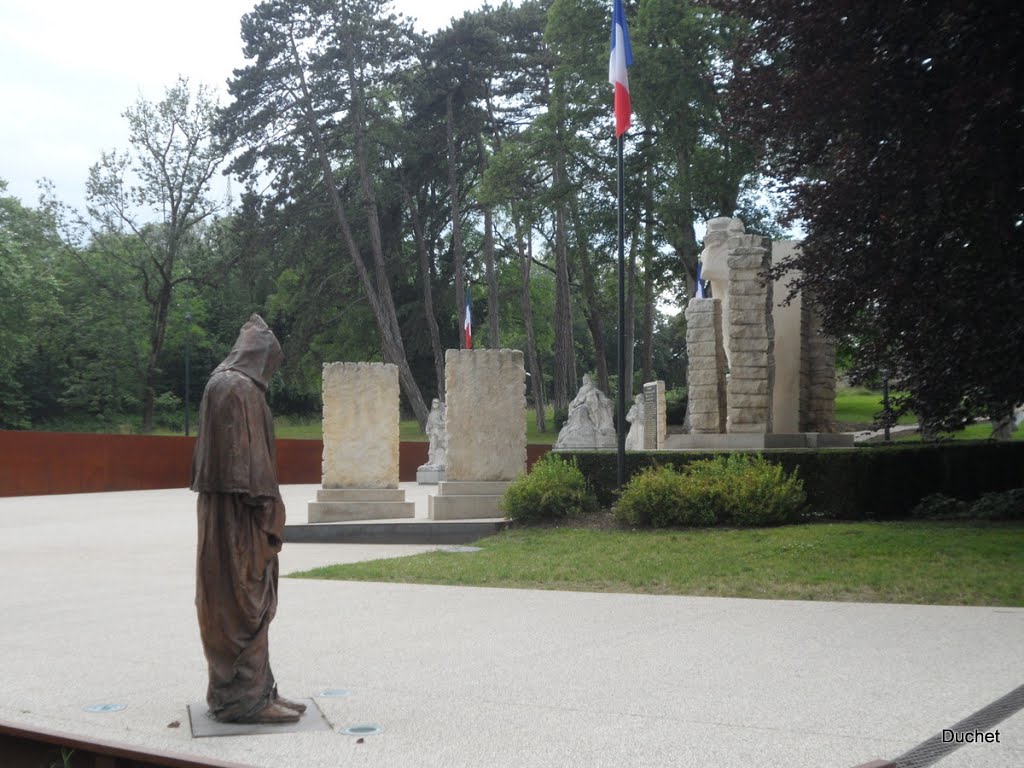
(467,500)
(757,441)
(429,475)
(335,505)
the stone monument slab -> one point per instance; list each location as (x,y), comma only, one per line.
(360,425)
(486,414)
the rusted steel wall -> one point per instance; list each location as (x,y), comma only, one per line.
(37,463)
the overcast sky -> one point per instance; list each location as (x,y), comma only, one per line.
(71,67)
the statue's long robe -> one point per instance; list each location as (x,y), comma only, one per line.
(241,525)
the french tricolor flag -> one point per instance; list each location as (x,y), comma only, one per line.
(621,57)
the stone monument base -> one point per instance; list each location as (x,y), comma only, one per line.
(335,505)
(757,441)
(467,500)
(571,447)
(427,475)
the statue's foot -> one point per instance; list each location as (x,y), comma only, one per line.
(272,714)
(295,706)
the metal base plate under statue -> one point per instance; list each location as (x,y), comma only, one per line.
(204,726)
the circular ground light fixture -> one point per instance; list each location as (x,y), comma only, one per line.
(362,730)
(105,708)
(334,693)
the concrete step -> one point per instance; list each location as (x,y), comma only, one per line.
(473,488)
(444,507)
(417,531)
(339,511)
(360,494)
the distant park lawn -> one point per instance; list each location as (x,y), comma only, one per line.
(912,562)
(858,406)
(288,427)
(855,407)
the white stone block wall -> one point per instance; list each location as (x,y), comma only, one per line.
(706,398)
(655,418)
(486,414)
(788,350)
(360,425)
(751,336)
(818,373)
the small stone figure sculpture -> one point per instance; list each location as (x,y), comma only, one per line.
(635,417)
(437,453)
(241,524)
(590,423)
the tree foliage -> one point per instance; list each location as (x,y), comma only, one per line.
(386,174)
(897,129)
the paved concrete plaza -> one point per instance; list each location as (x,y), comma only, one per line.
(96,608)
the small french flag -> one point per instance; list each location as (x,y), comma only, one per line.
(467,326)
(621,58)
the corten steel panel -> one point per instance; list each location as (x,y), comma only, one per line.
(410,457)
(534,452)
(38,463)
(34,463)
(298,461)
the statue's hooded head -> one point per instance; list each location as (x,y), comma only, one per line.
(257,352)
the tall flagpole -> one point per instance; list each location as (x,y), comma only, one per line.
(620,411)
(621,57)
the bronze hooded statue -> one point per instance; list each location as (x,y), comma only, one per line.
(241,525)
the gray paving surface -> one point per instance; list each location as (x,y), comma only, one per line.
(96,607)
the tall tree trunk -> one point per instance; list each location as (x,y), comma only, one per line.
(428,292)
(453,187)
(536,377)
(565,348)
(647,368)
(493,331)
(565,357)
(156,344)
(591,307)
(380,301)
(648,296)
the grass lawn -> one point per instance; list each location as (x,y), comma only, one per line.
(970,432)
(859,406)
(286,427)
(931,563)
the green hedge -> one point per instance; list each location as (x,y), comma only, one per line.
(730,489)
(877,482)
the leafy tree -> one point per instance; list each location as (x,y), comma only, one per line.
(30,291)
(896,128)
(146,208)
(318,89)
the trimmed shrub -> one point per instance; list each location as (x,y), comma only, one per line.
(1003,505)
(736,488)
(553,489)
(938,505)
(864,483)
(660,496)
(1007,505)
